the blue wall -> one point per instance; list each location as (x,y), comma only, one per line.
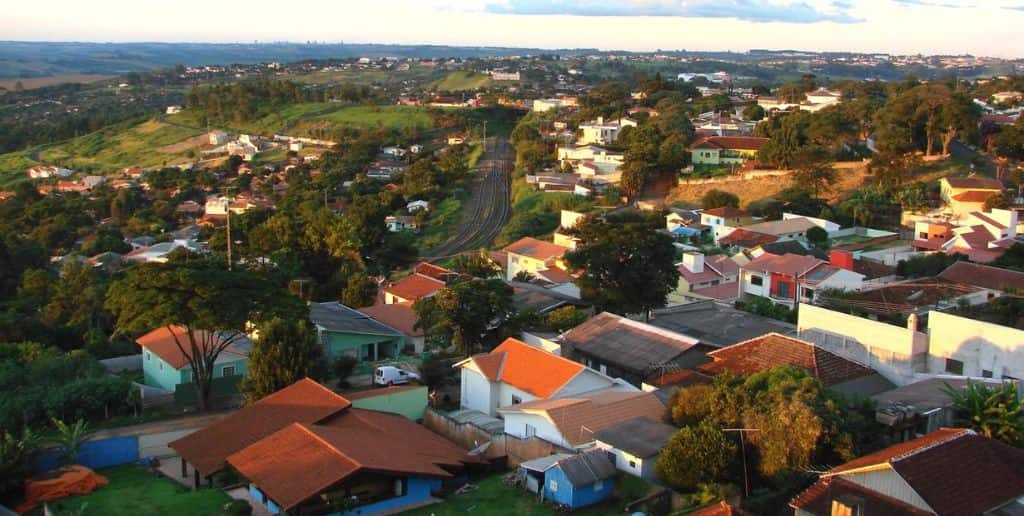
(101,453)
(258,496)
(418,490)
(571,497)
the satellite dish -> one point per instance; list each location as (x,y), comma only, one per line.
(480,449)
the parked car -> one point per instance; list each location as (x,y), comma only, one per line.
(391,375)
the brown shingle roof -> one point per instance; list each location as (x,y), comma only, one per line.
(415,287)
(578,419)
(745,238)
(984,276)
(304,401)
(631,345)
(302,460)
(538,249)
(988,473)
(771,350)
(977,183)
(818,499)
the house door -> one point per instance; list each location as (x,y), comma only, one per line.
(532,483)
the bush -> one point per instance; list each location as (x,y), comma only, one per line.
(817,236)
(765,307)
(718,199)
(695,455)
(434,372)
(343,368)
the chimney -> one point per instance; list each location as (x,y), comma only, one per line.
(912,322)
(600,120)
(694,262)
(841,259)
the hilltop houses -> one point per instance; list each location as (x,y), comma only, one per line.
(725,150)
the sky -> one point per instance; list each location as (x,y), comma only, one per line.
(979,27)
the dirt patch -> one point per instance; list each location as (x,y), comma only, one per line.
(184,145)
(851,176)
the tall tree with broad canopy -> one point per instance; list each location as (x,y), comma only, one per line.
(465,311)
(212,304)
(625,268)
(285,351)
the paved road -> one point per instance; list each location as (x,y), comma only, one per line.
(488,209)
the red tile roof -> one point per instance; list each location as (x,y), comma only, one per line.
(414,287)
(538,249)
(772,350)
(790,264)
(730,142)
(304,401)
(746,238)
(396,315)
(500,258)
(163,343)
(301,461)
(526,368)
(727,212)
(433,271)
(722,291)
(954,470)
(983,276)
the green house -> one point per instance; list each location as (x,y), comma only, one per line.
(725,150)
(345,331)
(165,366)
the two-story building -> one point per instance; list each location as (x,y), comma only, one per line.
(532,256)
(724,219)
(790,278)
(963,195)
(603,132)
(725,150)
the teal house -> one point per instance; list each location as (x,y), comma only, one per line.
(165,366)
(345,331)
(571,481)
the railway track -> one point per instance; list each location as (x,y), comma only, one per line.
(490,206)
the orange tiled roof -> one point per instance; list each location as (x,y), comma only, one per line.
(973,196)
(527,368)
(161,342)
(746,238)
(727,212)
(415,287)
(396,315)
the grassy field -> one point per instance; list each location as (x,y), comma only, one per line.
(310,119)
(440,225)
(41,82)
(115,147)
(496,499)
(135,490)
(460,81)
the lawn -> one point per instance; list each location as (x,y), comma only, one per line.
(397,117)
(441,223)
(495,498)
(135,490)
(460,81)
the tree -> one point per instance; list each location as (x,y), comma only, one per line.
(814,170)
(1012,258)
(817,236)
(465,311)
(992,411)
(17,455)
(70,438)
(360,291)
(565,318)
(478,264)
(285,352)
(928,265)
(695,455)
(753,112)
(719,199)
(892,169)
(633,180)
(207,305)
(624,268)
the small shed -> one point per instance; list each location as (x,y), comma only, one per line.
(572,481)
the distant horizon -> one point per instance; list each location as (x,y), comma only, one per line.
(897,27)
(506,47)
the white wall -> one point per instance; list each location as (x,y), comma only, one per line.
(640,467)
(886,348)
(476,391)
(756,290)
(515,424)
(891,484)
(843,280)
(979,345)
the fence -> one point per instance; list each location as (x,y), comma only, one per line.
(101,453)
(222,391)
(470,436)
(745,176)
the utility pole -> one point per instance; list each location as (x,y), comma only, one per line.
(485,136)
(743,452)
(229,233)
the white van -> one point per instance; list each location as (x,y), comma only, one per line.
(391,375)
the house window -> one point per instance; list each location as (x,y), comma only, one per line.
(632,463)
(229,371)
(553,485)
(612,458)
(161,366)
(599,485)
(923,235)
(757,280)
(149,356)
(954,366)
(783,290)
(986,373)
(516,400)
(530,430)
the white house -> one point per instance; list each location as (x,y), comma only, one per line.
(415,206)
(394,152)
(966,347)
(603,132)
(46,172)
(397,223)
(516,372)
(635,444)
(172,110)
(218,137)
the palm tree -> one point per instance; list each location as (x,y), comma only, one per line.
(992,411)
(70,438)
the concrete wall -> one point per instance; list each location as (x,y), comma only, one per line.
(629,463)
(895,352)
(979,345)
(477,392)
